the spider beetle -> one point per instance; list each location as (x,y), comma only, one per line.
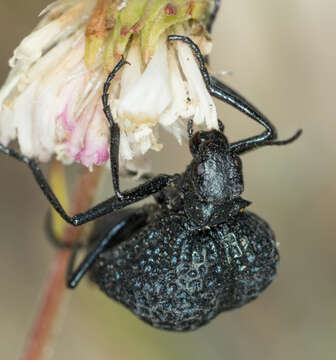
(193,253)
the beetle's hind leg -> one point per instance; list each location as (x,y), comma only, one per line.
(112,236)
(74,276)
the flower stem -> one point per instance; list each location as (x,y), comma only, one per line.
(53,294)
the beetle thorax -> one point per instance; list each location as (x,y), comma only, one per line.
(217,177)
(215,173)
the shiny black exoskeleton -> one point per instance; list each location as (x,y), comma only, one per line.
(195,251)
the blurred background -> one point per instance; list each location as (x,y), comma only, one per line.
(282,55)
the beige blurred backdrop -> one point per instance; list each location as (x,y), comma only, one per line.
(282,55)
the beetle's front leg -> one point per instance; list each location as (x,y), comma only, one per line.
(114,130)
(224,93)
(228,95)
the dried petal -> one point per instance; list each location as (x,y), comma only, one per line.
(51,101)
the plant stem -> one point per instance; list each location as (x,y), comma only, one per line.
(52,297)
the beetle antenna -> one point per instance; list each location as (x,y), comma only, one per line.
(287,141)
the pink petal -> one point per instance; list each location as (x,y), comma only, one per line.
(96,144)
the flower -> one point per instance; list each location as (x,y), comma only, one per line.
(51,100)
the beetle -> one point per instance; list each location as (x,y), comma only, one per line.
(195,251)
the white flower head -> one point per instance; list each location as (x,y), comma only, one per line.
(51,101)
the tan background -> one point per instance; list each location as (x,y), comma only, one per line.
(282,55)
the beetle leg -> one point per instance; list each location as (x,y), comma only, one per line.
(71,274)
(228,95)
(114,130)
(132,222)
(114,133)
(106,207)
(74,276)
(224,93)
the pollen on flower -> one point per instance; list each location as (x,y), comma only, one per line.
(51,100)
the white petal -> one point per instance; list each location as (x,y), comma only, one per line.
(131,73)
(44,114)
(125,151)
(62,154)
(23,118)
(7,125)
(34,45)
(44,66)
(205,110)
(55,8)
(49,103)
(181,104)
(93,84)
(143,137)
(62,58)
(9,85)
(150,95)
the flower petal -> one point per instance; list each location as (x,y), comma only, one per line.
(180,107)
(205,110)
(7,125)
(132,73)
(150,95)
(52,100)
(96,144)
(45,37)
(23,109)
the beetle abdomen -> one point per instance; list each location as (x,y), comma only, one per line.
(178,279)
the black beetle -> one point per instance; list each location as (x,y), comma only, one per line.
(195,252)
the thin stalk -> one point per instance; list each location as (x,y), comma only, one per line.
(53,294)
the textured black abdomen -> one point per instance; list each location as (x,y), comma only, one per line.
(178,279)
